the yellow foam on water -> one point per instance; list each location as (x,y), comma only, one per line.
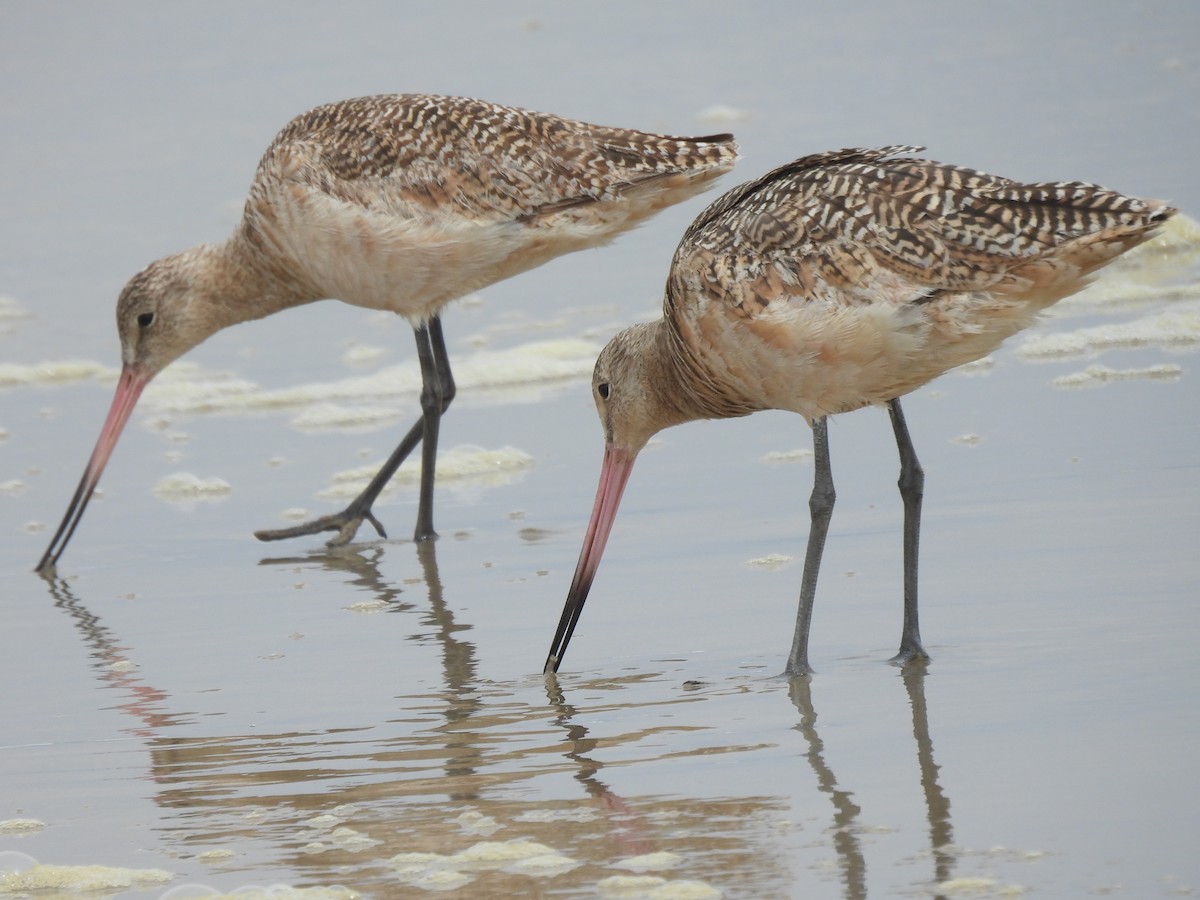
(471,464)
(721,114)
(541,362)
(369,606)
(770,562)
(558,815)
(788,456)
(431,878)
(254,892)
(17,375)
(81,878)
(331,416)
(351,839)
(434,871)
(978,887)
(11,309)
(545,866)
(1094,376)
(475,822)
(323,820)
(651,887)
(1176,327)
(21,826)
(183,487)
(651,862)
(499,854)
(185,387)
(363,355)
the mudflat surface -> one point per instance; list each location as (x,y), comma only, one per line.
(202,709)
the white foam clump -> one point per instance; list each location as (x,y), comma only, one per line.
(323,820)
(435,871)
(352,839)
(534,363)
(21,826)
(557,815)
(1176,327)
(363,355)
(517,855)
(1093,376)
(651,862)
(329,416)
(183,487)
(466,464)
(651,887)
(978,887)
(79,879)
(367,607)
(11,309)
(981,366)
(186,387)
(788,456)
(721,114)
(19,375)
(475,822)
(770,562)
(255,892)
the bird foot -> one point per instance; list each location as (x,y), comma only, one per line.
(909,654)
(797,670)
(346,523)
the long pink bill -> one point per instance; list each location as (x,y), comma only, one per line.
(613,476)
(129,388)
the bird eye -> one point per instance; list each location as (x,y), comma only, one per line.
(603,390)
(145,319)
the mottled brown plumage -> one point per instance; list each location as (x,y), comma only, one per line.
(837,281)
(402,203)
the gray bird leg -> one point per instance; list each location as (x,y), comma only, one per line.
(437,392)
(912,490)
(820,506)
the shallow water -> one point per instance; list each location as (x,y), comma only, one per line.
(186,699)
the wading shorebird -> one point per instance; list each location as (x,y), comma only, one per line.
(401,203)
(842,280)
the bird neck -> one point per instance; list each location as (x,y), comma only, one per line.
(245,284)
(666,377)
(696,390)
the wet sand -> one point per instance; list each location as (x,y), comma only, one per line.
(186,706)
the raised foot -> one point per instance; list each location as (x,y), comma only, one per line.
(346,523)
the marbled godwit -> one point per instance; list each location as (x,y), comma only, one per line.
(838,281)
(401,203)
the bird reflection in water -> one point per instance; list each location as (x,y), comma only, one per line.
(430,771)
(846,828)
